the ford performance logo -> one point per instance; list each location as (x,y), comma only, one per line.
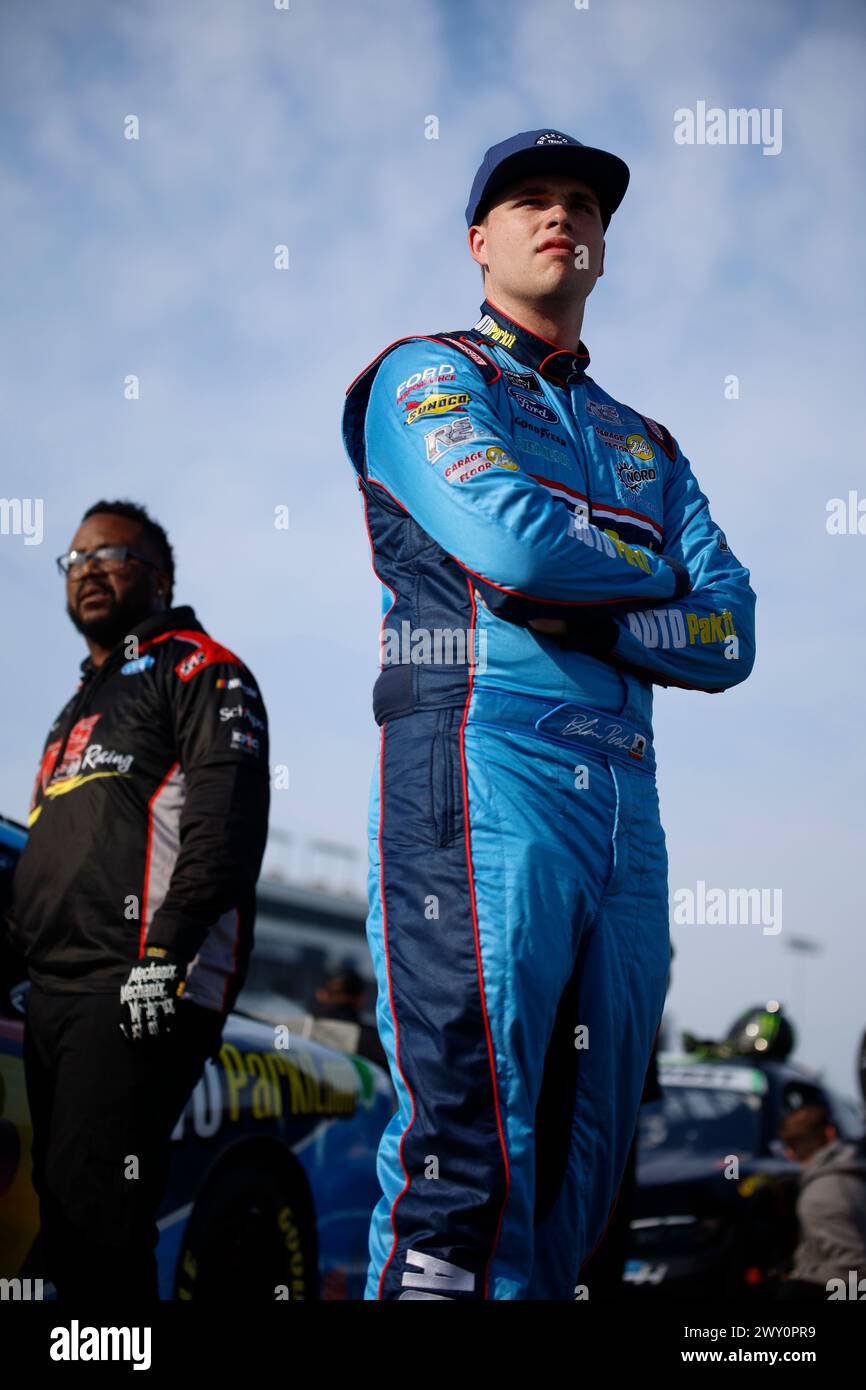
(533,407)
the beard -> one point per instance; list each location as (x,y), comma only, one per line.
(119,617)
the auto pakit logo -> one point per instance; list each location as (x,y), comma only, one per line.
(491,329)
(436,404)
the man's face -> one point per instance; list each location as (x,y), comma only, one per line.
(105,604)
(532,237)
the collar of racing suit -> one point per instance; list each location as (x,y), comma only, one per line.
(562,366)
(183,617)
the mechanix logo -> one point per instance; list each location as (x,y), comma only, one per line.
(634,478)
(524,381)
(602,411)
(541,412)
(427,1277)
(436,404)
(458,431)
(491,329)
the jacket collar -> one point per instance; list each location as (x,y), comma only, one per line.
(562,366)
(183,617)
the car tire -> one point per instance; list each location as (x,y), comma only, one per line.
(251,1238)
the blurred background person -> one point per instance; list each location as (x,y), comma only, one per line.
(831,1206)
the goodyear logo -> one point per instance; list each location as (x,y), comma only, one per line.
(438,404)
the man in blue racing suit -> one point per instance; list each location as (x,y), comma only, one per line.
(546,556)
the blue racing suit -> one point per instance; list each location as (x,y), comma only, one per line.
(518,872)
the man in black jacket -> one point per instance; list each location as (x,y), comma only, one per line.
(134,900)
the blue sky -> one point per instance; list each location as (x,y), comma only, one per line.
(307,127)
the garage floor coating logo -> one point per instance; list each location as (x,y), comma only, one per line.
(76,1343)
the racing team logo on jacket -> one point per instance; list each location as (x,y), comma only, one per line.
(437,403)
(524,381)
(491,329)
(457,431)
(444,372)
(46,767)
(532,407)
(633,444)
(206,652)
(79,737)
(603,411)
(634,478)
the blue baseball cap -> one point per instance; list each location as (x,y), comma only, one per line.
(550,151)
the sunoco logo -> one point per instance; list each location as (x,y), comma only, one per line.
(438,404)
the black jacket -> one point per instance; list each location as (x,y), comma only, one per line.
(149,818)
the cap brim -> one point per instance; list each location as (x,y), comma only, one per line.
(606,174)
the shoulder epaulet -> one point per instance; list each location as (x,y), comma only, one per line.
(205,651)
(468,345)
(358,393)
(661,435)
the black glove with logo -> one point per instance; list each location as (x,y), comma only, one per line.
(147,1007)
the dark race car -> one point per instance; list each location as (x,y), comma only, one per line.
(273,1175)
(713,1212)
